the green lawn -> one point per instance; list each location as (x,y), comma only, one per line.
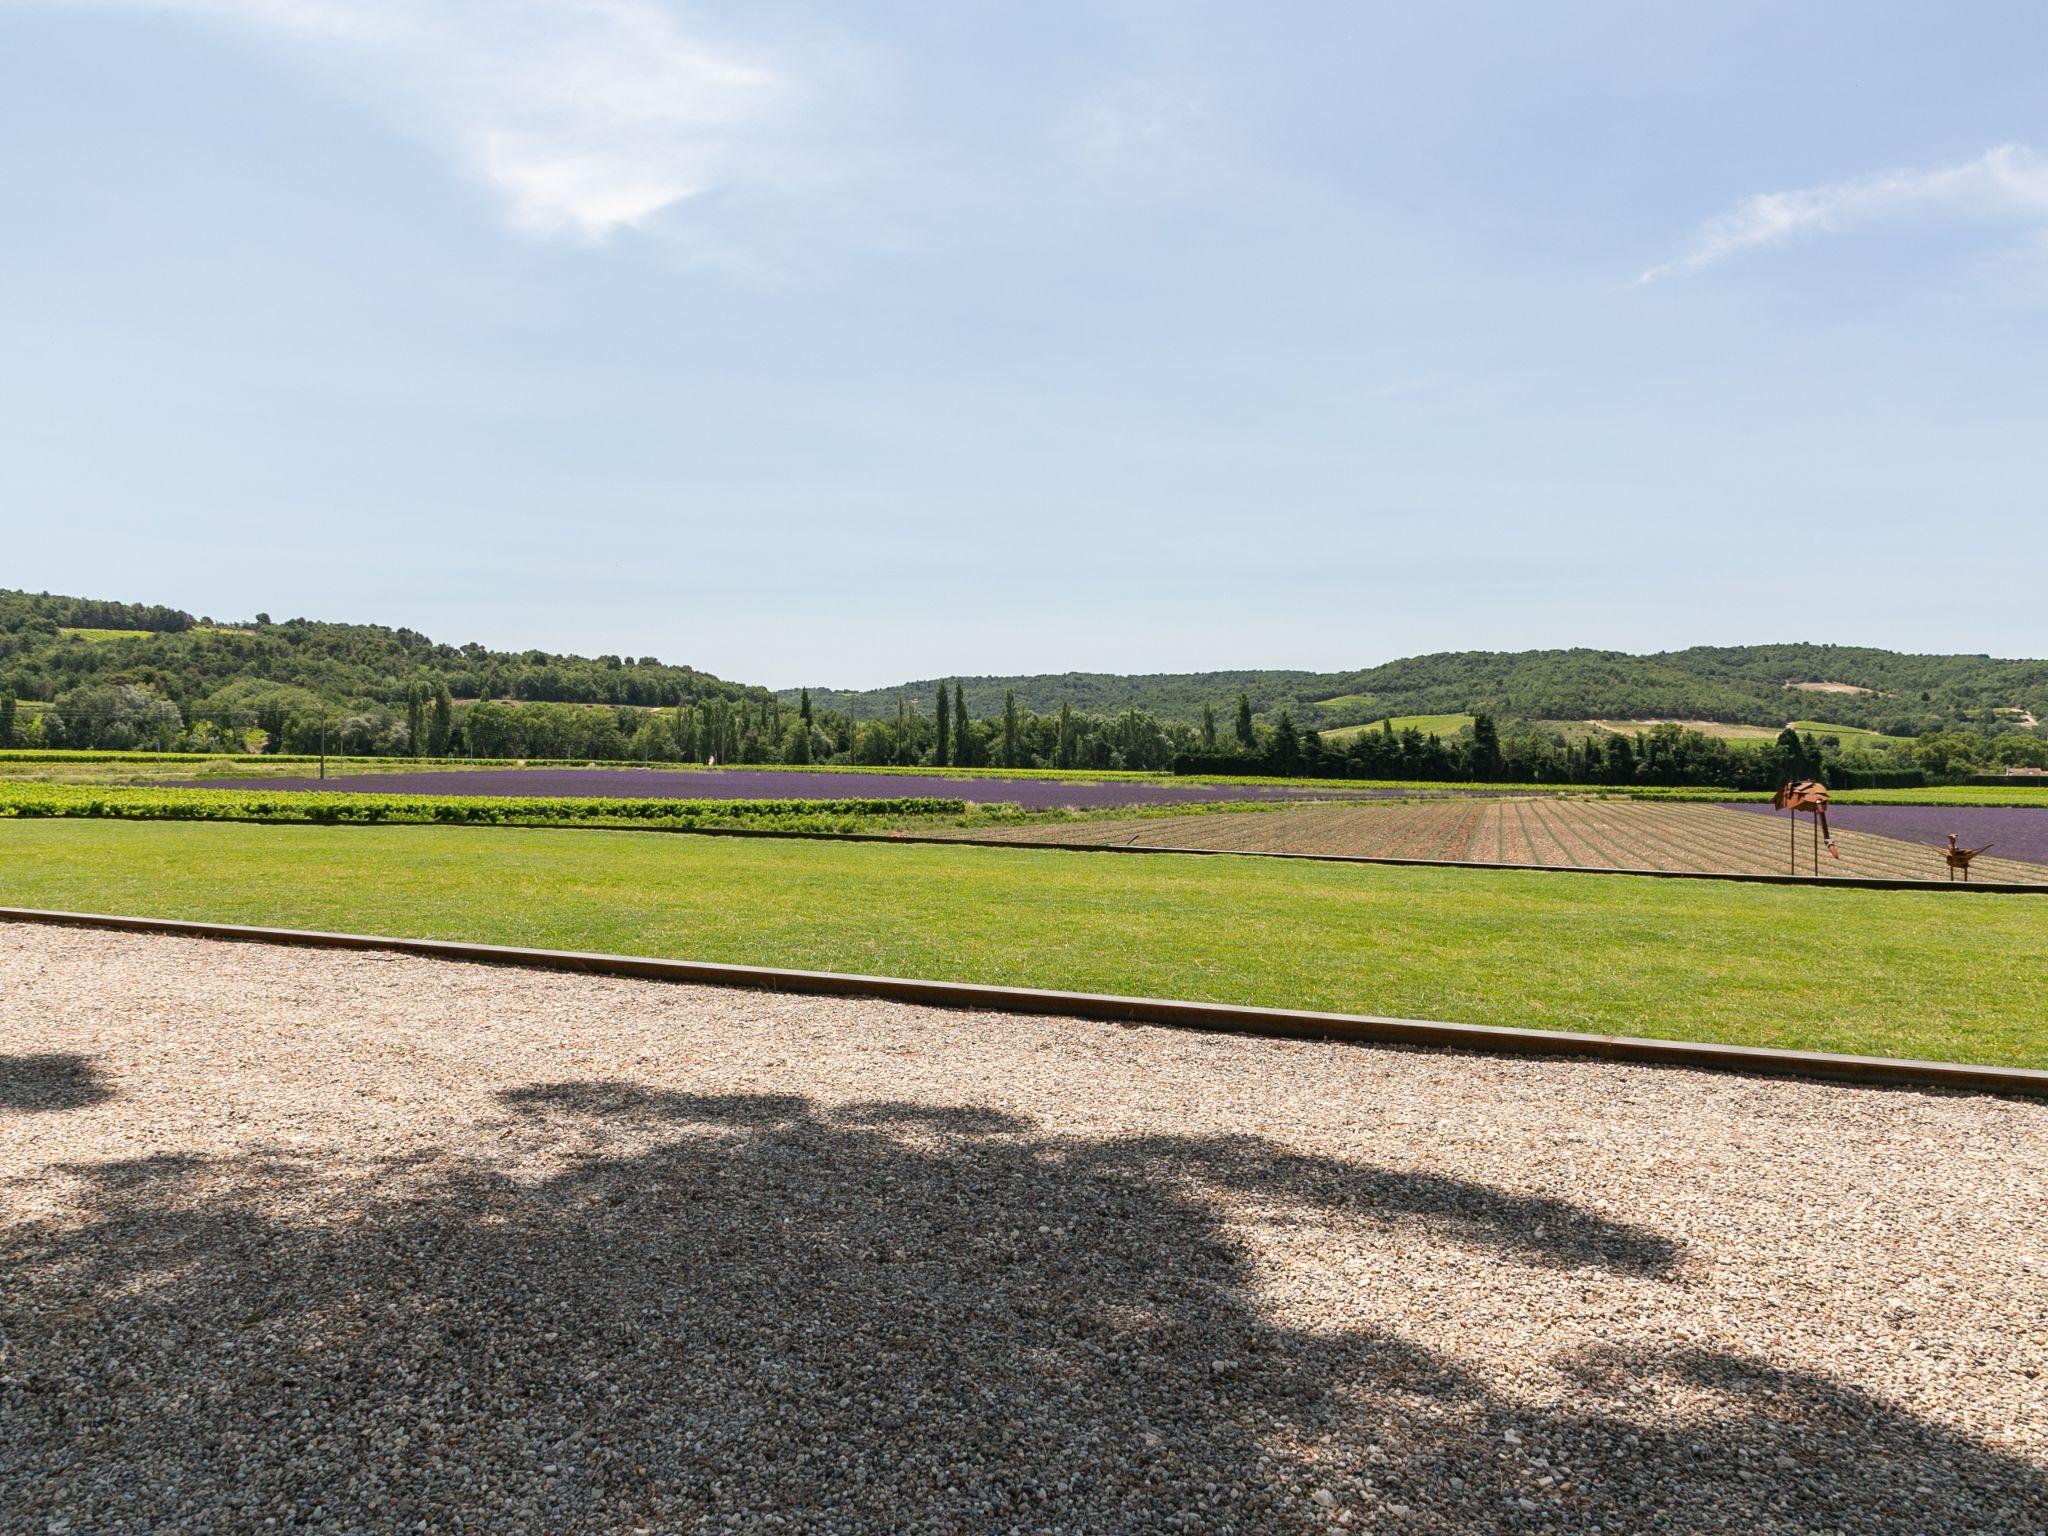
(1888,973)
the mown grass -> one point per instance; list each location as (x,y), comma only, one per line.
(1884,973)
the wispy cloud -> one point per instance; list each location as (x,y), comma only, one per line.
(2007,185)
(583,116)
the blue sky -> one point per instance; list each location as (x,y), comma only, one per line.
(848,344)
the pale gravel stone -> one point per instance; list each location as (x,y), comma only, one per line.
(365,1243)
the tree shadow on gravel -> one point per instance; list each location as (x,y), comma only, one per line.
(676,1313)
(58,1080)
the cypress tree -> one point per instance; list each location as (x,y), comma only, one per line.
(1009,727)
(6,719)
(963,741)
(442,726)
(1485,749)
(1208,728)
(943,752)
(1286,742)
(1246,738)
(415,717)
(803,708)
(1066,744)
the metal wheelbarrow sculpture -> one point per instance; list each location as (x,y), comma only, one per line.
(1959,858)
(1810,796)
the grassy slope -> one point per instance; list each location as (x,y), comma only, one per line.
(1875,972)
(1429,725)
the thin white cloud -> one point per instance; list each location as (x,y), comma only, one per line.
(2007,185)
(583,116)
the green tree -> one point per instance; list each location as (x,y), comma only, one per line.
(943,751)
(963,729)
(803,710)
(415,718)
(441,725)
(1064,752)
(6,719)
(1247,739)
(1286,741)
(1208,728)
(1485,756)
(1009,727)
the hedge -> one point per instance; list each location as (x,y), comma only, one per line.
(368,809)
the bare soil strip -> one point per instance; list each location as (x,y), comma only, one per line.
(383,1243)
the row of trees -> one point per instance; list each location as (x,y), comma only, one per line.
(1665,754)
(428,721)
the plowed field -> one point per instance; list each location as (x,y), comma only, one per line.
(1596,834)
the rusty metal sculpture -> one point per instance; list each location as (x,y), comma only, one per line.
(1959,858)
(1810,796)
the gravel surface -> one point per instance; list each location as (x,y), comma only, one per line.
(783,784)
(359,1243)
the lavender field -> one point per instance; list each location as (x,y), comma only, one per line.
(780,784)
(2014,832)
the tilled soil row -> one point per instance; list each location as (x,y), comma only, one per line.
(1587,833)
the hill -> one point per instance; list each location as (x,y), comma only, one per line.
(1763,685)
(53,646)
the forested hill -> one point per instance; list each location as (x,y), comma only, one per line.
(237,672)
(51,645)
(1898,693)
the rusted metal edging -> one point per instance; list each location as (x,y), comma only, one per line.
(1491,1039)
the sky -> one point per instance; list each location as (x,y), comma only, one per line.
(842,345)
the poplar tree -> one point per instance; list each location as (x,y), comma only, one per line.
(943,751)
(1208,728)
(415,717)
(1009,727)
(1065,756)
(963,741)
(1245,736)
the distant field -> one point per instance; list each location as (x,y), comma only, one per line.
(105,634)
(784,783)
(1878,972)
(1429,725)
(1879,842)
(1347,703)
(1716,728)
(1854,733)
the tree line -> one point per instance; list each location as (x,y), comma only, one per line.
(429,722)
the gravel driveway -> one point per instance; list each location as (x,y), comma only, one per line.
(357,1243)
